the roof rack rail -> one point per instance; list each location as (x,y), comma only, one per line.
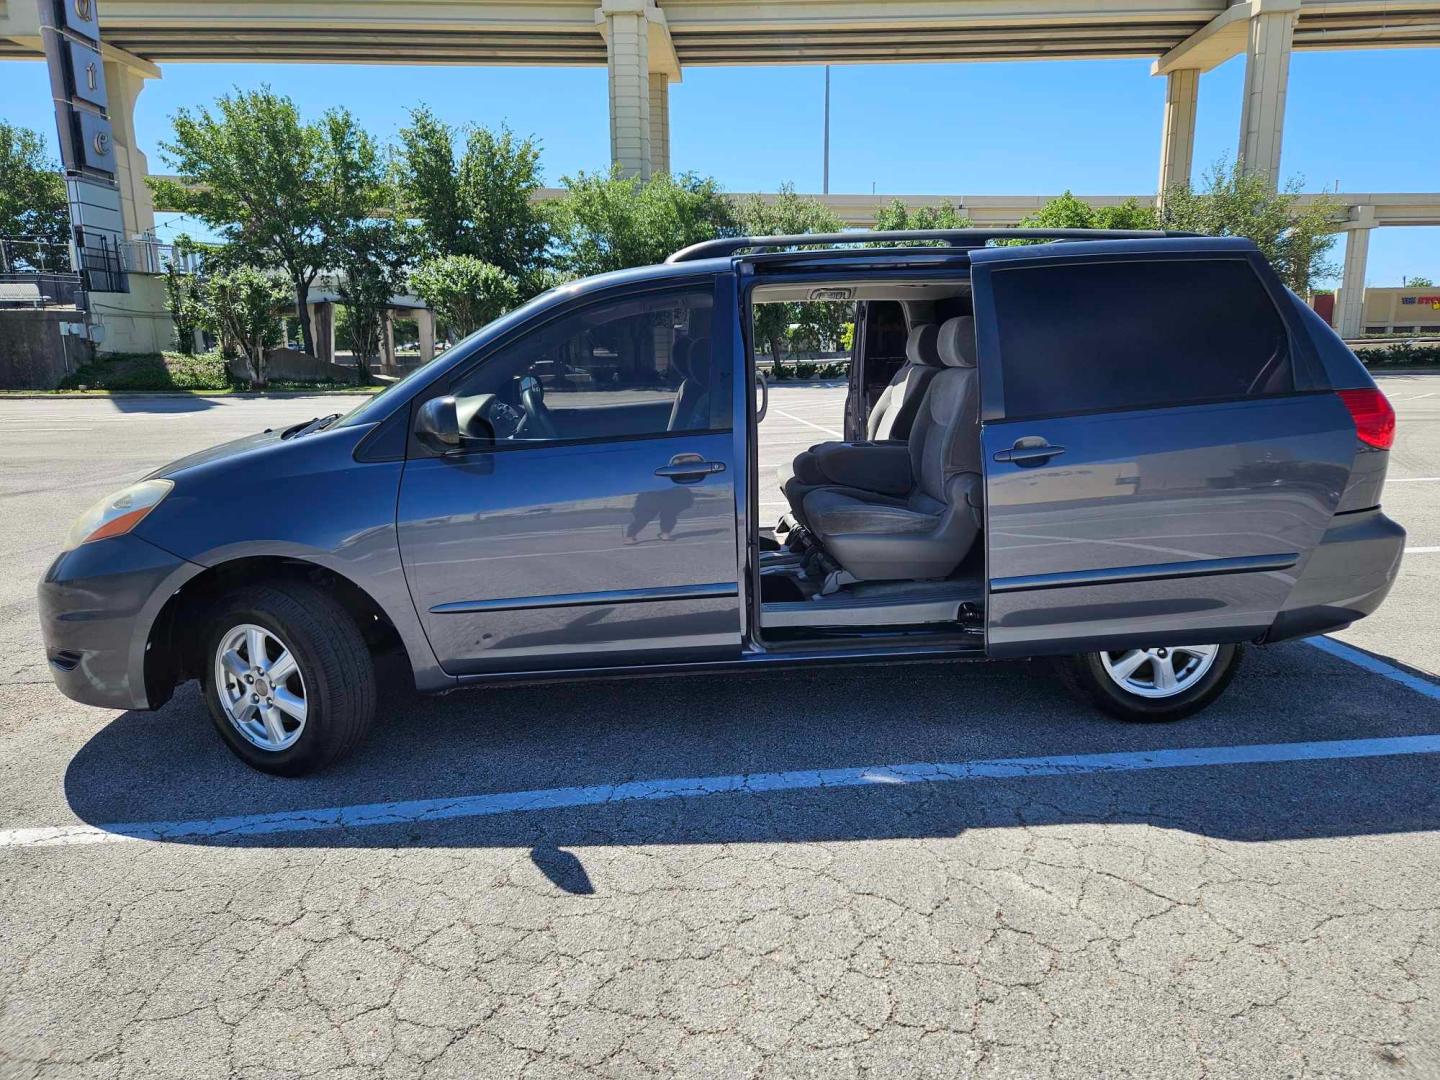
(962,238)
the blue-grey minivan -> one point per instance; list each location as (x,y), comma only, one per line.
(1133,451)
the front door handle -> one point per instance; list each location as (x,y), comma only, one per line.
(1029,451)
(689,468)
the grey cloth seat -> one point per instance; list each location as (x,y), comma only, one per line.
(890,421)
(925,522)
(690,411)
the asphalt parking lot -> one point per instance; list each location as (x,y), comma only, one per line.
(912,872)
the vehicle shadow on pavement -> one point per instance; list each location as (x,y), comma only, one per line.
(171,766)
(170,403)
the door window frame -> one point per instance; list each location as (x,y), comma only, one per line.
(1306,370)
(721,346)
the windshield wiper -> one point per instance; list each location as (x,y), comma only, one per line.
(315,423)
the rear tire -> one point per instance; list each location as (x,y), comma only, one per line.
(323,698)
(1141,697)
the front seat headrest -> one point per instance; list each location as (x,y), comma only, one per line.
(697,359)
(957,341)
(680,356)
(920,346)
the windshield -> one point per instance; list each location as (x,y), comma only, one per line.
(377,407)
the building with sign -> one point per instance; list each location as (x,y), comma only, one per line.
(1401,310)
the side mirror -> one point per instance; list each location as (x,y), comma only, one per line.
(438,424)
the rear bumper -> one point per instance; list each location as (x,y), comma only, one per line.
(1345,578)
(97,605)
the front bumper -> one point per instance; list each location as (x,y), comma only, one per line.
(1345,578)
(97,606)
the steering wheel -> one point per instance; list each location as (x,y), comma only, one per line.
(538,424)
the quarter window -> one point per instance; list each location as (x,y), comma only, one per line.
(633,367)
(1129,335)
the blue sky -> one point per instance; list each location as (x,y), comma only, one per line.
(1362,119)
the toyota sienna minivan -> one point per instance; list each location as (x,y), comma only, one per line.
(1135,452)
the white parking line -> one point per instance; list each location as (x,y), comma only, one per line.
(476,806)
(801,420)
(1421,550)
(1411,479)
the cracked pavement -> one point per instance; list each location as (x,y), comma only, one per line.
(1267,920)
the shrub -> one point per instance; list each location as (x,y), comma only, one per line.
(1402,353)
(153,371)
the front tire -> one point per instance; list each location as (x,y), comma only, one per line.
(1153,685)
(288,679)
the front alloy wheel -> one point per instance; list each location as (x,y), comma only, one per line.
(289,681)
(1159,683)
(261,687)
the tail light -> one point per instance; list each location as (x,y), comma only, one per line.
(1373,416)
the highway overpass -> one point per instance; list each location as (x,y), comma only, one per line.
(646,46)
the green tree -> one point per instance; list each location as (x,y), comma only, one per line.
(482,204)
(1067,212)
(896,215)
(1417,281)
(427,181)
(371,257)
(184,296)
(808,324)
(605,221)
(464,292)
(1294,237)
(33,204)
(242,308)
(280,191)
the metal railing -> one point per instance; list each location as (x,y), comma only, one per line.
(21,254)
(40,289)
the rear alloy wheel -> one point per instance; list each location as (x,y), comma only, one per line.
(289,680)
(1156,684)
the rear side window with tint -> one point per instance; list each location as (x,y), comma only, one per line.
(1134,335)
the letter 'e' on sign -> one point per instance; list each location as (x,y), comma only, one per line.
(97,144)
(81,18)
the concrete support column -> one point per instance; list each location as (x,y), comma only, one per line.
(425,323)
(137,320)
(1350,320)
(627,44)
(1267,74)
(387,345)
(1177,142)
(659,123)
(137,209)
(322,325)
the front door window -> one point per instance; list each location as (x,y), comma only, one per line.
(638,367)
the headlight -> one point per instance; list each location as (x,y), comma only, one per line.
(116,515)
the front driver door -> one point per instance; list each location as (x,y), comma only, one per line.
(589,518)
(1160,451)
